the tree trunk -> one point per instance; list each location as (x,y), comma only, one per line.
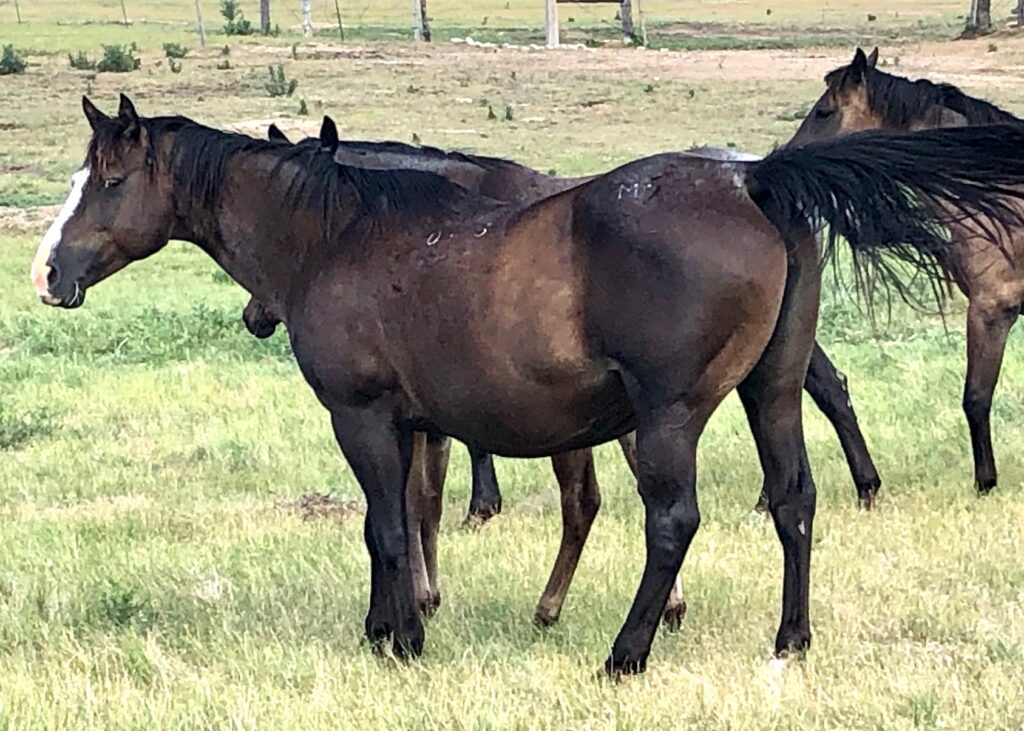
(424,21)
(626,13)
(265,16)
(1019,11)
(307,18)
(981,16)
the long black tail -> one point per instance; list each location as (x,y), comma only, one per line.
(893,194)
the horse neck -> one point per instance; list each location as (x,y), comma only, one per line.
(254,230)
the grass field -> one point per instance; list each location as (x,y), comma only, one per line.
(156,569)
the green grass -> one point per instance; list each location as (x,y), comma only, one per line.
(155,574)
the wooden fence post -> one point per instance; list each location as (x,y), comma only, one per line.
(551,22)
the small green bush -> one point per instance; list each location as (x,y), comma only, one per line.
(175,66)
(81,62)
(278,84)
(119,59)
(236,24)
(224,65)
(175,50)
(11,62)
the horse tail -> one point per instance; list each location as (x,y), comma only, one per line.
(891,195)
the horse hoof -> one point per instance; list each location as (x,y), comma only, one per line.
(792,641)
(408,644)
(617,668)
(985,486)
(762,503)
(478,515)
(673,617)
(543,619)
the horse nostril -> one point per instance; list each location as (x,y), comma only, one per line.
(53,277)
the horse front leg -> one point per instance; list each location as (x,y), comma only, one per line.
(380,455)
(485,501)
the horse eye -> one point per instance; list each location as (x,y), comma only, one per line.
(111,182)
(824,113)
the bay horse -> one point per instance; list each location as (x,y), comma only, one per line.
(509,181)
(860,96)
(638,300)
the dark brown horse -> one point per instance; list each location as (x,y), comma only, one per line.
(509,181)
(574,470)
(638,300)
(861,97)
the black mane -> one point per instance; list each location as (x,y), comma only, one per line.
(901,101)
(200,155)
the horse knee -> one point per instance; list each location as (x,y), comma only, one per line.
(977,406)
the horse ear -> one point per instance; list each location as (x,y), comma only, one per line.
(873,58)
(93,114)
(329,140)
(127,115)
(274,134)
(858,67)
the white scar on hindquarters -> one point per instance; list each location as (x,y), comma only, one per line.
(40,268)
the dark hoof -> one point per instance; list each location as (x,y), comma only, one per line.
(984,487)
(762,503)
(480,514)
(867,491)
(408,644)
(866,499)
(543,620)
(428,606)
(377,634)
(619,667)
(673,617)
(792,642)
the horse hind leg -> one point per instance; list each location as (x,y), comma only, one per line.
(668,485)
(829,389)
(988,326)
(775,420)
(675,607)
(581,500)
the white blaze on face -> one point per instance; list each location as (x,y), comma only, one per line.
(50,242)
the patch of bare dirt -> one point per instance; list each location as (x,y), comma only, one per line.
(322,506)
(27,219)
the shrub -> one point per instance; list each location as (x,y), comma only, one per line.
(119,59)
(81,62)
(175,50)
(224,65)
(278,84)
(175,66)
(11,62)
(236,24)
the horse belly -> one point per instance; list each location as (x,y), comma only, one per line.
(527,412)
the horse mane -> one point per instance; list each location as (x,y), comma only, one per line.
(199,158)
(430,153)
(900,101)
